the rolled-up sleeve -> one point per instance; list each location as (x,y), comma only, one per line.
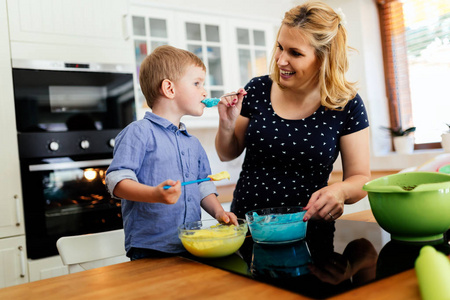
(114,177)
(207,188)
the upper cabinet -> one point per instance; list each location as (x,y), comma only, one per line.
(252,50)
(232,48)
(82,30)
(150,28)
(207,38)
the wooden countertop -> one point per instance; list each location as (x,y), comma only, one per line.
(180,278)
(165,278)
(365,216)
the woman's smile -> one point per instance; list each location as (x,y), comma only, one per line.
(286,74)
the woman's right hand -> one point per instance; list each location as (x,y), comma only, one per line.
(230,108)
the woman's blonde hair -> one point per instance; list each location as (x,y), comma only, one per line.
(165,62)
(322,27)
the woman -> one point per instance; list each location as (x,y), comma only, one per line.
(294,123)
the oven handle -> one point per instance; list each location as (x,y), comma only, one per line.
(70,165)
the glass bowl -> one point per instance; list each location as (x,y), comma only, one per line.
(209,238)
(280,261)
(277,225)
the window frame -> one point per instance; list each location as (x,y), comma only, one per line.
(398,93)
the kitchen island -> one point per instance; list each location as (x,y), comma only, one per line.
(182,278)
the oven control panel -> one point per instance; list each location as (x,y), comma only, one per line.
(68,143)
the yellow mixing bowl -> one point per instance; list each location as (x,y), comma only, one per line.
(209,238)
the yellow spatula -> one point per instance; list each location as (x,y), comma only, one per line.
(214,177)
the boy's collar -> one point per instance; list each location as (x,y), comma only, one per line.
(182,127)
(165,123)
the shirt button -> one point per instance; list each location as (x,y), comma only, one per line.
(186,175)
(182,152)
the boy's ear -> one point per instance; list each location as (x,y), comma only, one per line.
(168,89)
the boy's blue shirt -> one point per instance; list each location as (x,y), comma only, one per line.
(151,151)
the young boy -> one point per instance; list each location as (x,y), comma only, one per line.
(158,151)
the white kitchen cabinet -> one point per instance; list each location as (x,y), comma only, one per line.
(47,267)
(11,211)
(207,37)
(233,49)
(77,31)
(254,43)
(150,28)
(13,264)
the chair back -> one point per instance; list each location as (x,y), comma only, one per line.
(88,251)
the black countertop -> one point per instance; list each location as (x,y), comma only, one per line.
(321,266)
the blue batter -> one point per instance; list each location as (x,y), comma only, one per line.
(210,102)
(278,228)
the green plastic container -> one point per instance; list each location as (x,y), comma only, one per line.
(412,206)
(433,274)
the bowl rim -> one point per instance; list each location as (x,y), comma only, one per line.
(277,207)
(252,223)
(424,187)
(242,230)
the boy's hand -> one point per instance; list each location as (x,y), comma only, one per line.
(169,196)
(227,218)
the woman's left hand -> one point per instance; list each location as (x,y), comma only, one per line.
(326,204)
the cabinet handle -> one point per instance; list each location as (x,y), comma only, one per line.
(22,262)
(125,27)
(18,220)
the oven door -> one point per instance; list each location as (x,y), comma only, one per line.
(66,197)
(49,98)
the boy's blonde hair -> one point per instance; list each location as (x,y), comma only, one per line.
(322,27)
(165,62)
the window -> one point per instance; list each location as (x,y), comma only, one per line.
(416,42)
(205,41)
(252,53)
(148,34)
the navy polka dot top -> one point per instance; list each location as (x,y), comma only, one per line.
(288,160)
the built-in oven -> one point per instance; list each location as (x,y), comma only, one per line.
(67,116)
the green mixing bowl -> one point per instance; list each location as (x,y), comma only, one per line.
(412,206)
